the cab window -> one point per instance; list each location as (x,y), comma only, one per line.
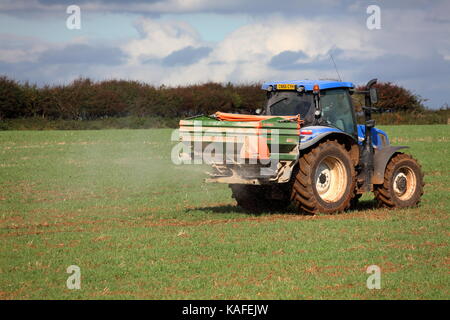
(337,110)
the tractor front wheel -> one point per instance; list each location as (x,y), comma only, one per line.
(403,183)
(325,180)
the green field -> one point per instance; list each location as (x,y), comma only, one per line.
(139,227)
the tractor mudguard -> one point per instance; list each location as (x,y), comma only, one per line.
(381,159)
(317,136)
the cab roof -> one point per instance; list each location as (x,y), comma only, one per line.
(309,84)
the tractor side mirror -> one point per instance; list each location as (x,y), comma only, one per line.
(373,95)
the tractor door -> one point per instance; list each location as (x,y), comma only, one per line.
(337,110)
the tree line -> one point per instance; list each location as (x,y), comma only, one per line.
(85,99)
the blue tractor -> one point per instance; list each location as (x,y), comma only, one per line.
(339,159)
(327,166)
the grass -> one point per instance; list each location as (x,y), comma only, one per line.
(139,227)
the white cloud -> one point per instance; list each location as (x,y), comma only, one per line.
(159,39)
(244,55)
(14,55)
(15,49)
(410,42)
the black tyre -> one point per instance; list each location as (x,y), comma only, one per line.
(325,180)
(256,198)
(403,183)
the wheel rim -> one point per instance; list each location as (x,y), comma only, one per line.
(405,183)
(331,179)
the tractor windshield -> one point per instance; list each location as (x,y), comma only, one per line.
(290,103)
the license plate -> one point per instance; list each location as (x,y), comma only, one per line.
(285,86)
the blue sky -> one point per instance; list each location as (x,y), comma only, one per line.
(179,42)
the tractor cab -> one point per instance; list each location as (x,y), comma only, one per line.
(299,97)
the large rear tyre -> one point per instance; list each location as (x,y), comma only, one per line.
(403,183)
(256,198)
(325,180)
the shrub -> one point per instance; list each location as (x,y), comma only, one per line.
(392,98)
(134,104)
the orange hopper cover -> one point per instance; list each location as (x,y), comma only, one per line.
(249,117)
(254,146)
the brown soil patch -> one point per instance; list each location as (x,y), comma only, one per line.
(269,218)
